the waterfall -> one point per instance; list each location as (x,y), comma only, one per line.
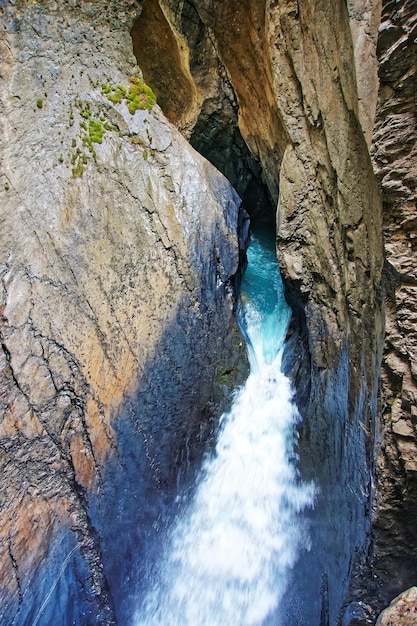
(228,556)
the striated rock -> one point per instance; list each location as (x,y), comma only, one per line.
(394,557)
(364,18)
(330,249)
(395,161)
(118,248)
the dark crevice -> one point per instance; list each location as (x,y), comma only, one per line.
(221,143)
(194,91)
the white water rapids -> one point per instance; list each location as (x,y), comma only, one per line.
(227,559)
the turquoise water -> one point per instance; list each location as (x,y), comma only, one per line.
(264,314)
(227,559)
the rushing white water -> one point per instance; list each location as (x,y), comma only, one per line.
(227,559)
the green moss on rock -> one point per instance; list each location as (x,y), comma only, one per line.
(139,96)
(95,131)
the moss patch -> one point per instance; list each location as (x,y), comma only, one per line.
(139,96)
(77,171)
(92,121)
(95,131)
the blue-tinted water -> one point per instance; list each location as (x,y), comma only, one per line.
(227,559)
(263,312)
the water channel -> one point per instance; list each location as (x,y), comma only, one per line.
(227,557)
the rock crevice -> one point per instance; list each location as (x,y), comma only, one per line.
(289,77)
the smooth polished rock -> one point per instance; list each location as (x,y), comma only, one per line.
(118,249)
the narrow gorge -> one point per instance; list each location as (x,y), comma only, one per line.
(140,141)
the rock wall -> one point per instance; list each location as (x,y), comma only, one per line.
(395,160)
(227,111)
(119,244)
(395,157)
(330,248)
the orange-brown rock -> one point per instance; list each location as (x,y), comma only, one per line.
(218,88)
(117,249)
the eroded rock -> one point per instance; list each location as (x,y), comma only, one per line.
(118,247)
(395,161)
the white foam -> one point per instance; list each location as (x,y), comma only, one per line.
(228,557)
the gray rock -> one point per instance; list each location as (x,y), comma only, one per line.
(118,248)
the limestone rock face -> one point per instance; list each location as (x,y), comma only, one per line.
(364,18)
(118,244)
(395,157)
(330,249)
(394,154)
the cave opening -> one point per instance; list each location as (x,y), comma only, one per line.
(176,56)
